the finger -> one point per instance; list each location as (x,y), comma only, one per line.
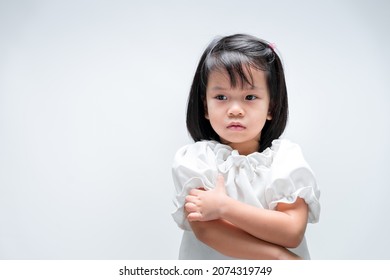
(195,191)
(190,207)
(220,184)
(194,216)
(191,198)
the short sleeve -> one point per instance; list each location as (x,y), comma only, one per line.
(291,177)
(193,167)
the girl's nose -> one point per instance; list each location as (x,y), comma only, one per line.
(235,110)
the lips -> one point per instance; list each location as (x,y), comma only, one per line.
(236,126)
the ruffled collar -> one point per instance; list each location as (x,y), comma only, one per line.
(226,158)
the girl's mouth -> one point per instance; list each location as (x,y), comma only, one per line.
(236,126)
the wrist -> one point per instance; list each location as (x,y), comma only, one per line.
(224,206)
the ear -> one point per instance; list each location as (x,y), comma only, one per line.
(269,115)
(206,111)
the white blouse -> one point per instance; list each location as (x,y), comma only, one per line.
(278,174)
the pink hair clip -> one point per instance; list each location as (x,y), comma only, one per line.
(272,46)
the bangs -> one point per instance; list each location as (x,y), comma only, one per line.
(238,56)
(237,66)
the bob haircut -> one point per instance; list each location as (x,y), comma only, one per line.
(235,54)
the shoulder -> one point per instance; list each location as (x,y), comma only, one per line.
(287,156)
(202,150)
(292,177)
(285,148)
(282,145)
(197,148)
(195,164)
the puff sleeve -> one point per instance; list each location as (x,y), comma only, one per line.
(193,167)
(291,177)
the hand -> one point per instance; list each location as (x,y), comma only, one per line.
(206,205)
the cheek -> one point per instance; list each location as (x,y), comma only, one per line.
(215,119)
(260,115)
(211,116)
(210,110)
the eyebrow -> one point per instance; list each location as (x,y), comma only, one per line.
(216,88)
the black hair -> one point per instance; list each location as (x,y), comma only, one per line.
(234,54)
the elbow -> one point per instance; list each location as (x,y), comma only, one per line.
(294,239)
(293,243)
(200,231)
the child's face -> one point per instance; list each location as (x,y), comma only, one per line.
(238,114)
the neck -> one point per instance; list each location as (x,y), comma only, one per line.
(245,148)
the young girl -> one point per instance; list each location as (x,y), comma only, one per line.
(241,192)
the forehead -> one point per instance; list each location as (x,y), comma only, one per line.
(250,77)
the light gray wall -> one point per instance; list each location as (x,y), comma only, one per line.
(92,110)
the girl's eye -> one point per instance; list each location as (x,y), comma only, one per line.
(221,97)
(250,97)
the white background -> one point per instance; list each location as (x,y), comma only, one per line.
(92,110)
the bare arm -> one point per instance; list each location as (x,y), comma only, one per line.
(285,226)
(234,242)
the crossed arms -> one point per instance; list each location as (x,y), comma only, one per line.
(243,231)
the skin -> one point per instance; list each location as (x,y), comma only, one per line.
(232,227)
(238,114)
